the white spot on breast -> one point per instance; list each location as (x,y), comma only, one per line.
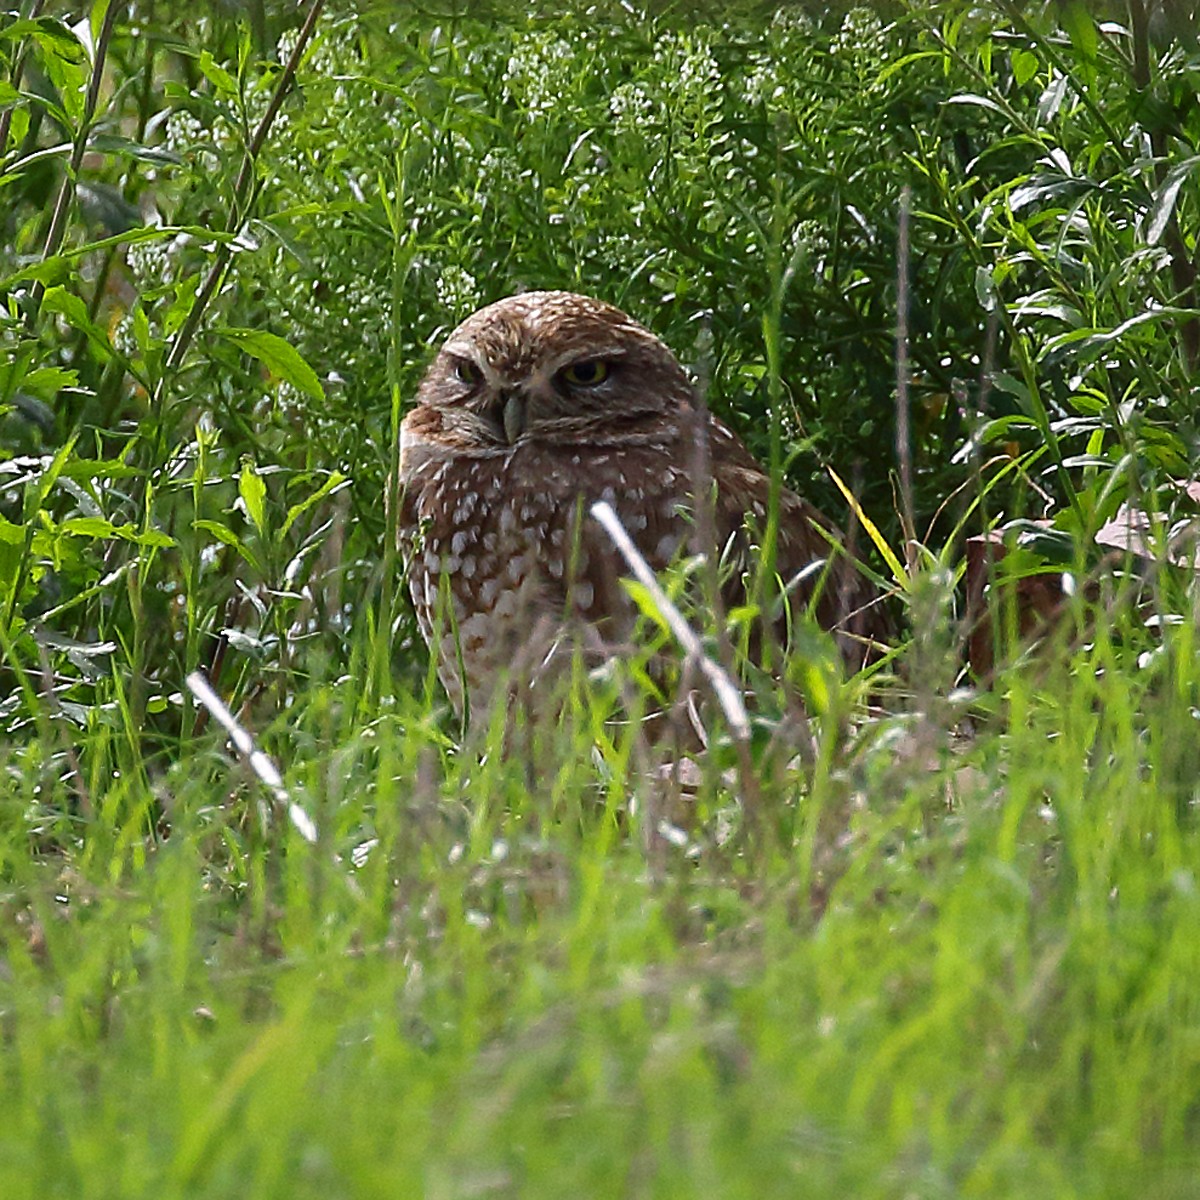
(666,546)
(468,567)
(584,594)
(508,520)
(458,543)
(555,567)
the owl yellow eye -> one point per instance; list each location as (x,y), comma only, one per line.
(465,371)
(587,373)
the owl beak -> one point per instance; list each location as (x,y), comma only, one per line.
(513,416)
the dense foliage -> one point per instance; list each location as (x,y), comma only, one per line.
(736,186)
(953,958)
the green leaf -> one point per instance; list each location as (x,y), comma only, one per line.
(68,305)
(1085,344)
(48,272)
(98,468)
(228,538)
(10,534)
(1080,25)
(279,357)
(1025,66)
(1162,204)
(35,496)
(74,311)
(216,74)
(873,532)
(644,600)
(182,301)
(48,381)
(978,101)
(901,63)
(100,527)
(96,17)
(111,143)
(223,535)
(64,61)
(985,288)
(335,482)
(254,494)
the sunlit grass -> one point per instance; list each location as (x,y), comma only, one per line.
(953,949)
(486,978)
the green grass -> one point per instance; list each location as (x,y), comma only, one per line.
(968,971)
(950,950)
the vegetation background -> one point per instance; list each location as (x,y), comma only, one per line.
(957,952)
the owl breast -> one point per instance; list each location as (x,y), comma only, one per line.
(503,566)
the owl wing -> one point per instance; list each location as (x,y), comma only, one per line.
(650,486)
(810,554)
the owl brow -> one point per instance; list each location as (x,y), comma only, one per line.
(592,354)
(463,350)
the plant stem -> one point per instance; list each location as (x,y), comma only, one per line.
(66,193)
(903,436)
(238,209)
(17,71)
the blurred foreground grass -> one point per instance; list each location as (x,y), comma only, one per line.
(955,971)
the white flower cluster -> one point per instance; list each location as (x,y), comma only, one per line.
(499,171)
(699,72)
(149,262)
(791,22)
(290,401)
(861,34)
(809,242)
(631,107)
(538,72)
(761,85)
(286,44)
(688,62)
(186,136)
(330,52)
(183,131)
(457,291)
(123,339)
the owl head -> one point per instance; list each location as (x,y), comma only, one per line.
(551,366)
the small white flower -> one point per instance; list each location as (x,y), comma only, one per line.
(631,107)
(457,291)
(539,70)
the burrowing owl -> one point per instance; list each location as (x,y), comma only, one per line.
(535,407)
